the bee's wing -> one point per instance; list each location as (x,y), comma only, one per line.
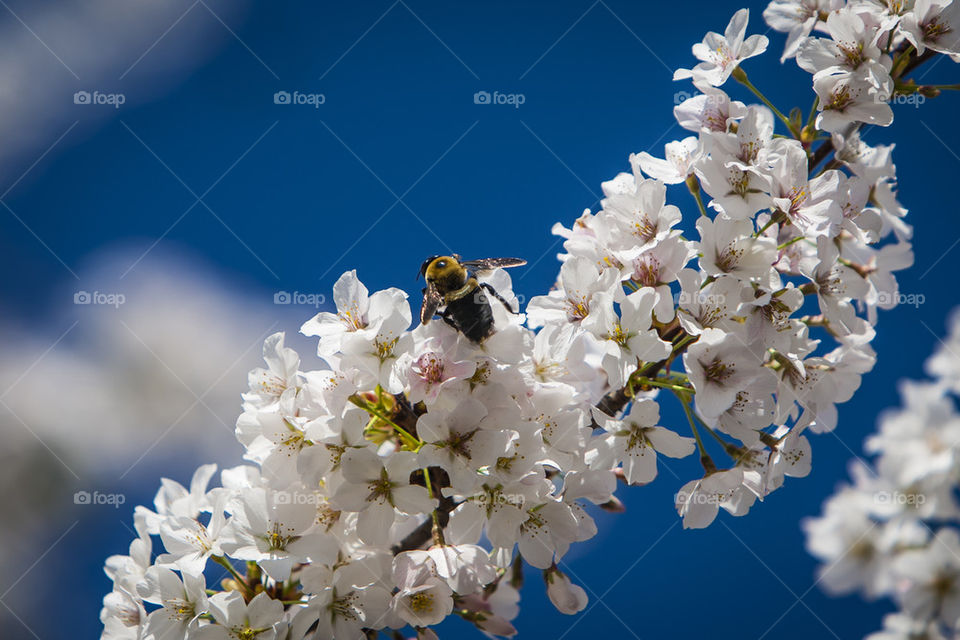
(431,302)
(489,264)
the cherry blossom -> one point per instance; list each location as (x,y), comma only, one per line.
(798,18)
(720,54)
(407,474)
(635,442)
(680,156)
(934,24)
(892,532)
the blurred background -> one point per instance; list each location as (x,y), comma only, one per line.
(181,178)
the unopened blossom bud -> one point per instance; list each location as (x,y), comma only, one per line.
(614,505)
(567,597)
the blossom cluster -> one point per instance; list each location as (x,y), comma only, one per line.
(413,476)
(894,531)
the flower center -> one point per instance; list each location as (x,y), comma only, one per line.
(777,314)
(798,196)
(295,439)
(179,609)
(459,444)
(713,118)
(646,270)
(831,285)
(384,347)
(728,259)
(619,336)
(739,182)
(533,525)
(718,371)
(481,375)
(840,99)
(380,488)
(335,452)
(722,57)
(852,53)
(643,228)
(327,515)
(344,606)
(749,151)
(201,538)
(272,385)
(421,602)
(548,426)
(637,438)
(352,318)
(577,309)
(429,367)
(546,371)
(277,540)
(934,30)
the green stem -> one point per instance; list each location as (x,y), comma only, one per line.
(223,562)
(901,62)
(682,344)
(741,76)
(732,450)
(705,460)
(776,217)
(662,385)
(426,481)
(716,436)
(813,111)
(413,443)
(676,375)
(769,224)
(789,242)
(693,185)
(437,529)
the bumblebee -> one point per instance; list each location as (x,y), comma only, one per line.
(452,284)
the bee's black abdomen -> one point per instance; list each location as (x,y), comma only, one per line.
(471,315)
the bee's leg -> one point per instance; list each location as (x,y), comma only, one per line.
(498,297)
(463,291)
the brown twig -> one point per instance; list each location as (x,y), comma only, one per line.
(423,534)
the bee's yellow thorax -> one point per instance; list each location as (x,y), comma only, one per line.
(447,273)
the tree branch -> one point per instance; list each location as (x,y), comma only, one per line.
(420,536)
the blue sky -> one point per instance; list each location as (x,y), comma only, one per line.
(398,163)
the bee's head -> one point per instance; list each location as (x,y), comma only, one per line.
(426,265)
(437,268)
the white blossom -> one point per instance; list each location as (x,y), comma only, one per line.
(407,473)
(720,54)
(234,619)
